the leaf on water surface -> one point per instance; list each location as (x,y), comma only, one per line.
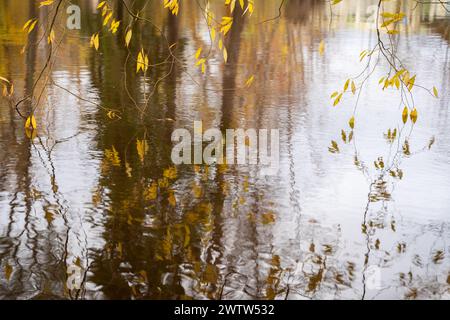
(322,47)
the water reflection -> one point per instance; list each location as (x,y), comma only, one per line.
(98,190)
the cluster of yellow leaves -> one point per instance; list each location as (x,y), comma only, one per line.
(112,156)
(379,163)
(29,25)
(401,76)
(170,173)
(390,18)
(173,6)
(114,26)
(391,135)
(232,4)
(107,14)
(338,95)
(151,192)
(412,115)
(226,24)
(200,61)
(95,42)
(142,61)
(334,147)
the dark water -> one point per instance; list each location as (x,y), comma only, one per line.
(99,191)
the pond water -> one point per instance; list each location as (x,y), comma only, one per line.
(96,189)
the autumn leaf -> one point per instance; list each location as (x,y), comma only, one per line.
(128,37)
(170,173)
(225,54)
(142,149)
(30,123)
(46,3)
(321,48)
(353,88)
(405,115)
(95,42)
(101,4)
(435,92)
(413,115)
(249,81)
(351,122)
(199,51)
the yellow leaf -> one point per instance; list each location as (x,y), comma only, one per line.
(413,115)
(249,81)
(197,54)
(101,4)
(213,34)
(4,79)
(112,156)
(145,63)
(334,94)
(346,84)
(405,115)
(226,24)
(142,148)
(336,101)
(435,91)
(172,200)
(25,26)
(114,26)
(351,122)
(268,218)
(353,88)
(95,42)
(105,21)
(322,47)
(46,3)
(170,173)
(51,36)
(200,61)
(393,32)
(128,37)
(30,123)
(152,192)
(32,26)
(335,2)
(225,54)
(411,82)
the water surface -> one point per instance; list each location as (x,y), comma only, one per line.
(82,193)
